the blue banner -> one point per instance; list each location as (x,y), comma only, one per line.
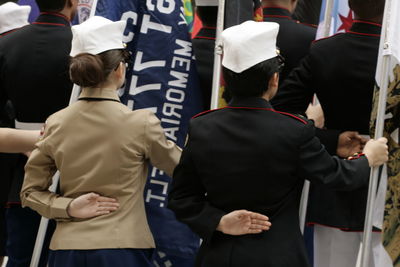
(164,79)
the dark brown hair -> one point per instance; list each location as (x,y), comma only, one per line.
(367,9)
(89,70)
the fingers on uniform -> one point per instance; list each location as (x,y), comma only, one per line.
(108,204)
(258,216)
(106,199)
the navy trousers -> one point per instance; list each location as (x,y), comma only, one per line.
(101,258)
(22,228)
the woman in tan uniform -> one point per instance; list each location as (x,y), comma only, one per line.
(98,145)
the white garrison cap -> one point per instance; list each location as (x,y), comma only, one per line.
(97,35)
(248,44)
(206,2)
(13,16)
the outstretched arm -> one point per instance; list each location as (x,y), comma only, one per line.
(17,141)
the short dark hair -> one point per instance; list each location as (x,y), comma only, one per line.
(207,14)
(252,82)
(89,70)
(51,5)
(367,9)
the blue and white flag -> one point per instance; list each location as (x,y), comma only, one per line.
(163,79)
(339,20)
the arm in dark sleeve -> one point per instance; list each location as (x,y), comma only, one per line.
(188,200)
(318,166)
(329,138)
(296,92)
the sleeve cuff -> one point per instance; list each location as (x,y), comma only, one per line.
(59,208)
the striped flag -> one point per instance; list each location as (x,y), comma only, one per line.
(388,196)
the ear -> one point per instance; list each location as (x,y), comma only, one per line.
(120,71)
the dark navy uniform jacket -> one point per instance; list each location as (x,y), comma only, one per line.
(249,156)
(294,39)
(34,63)
(341,71)
(203,47)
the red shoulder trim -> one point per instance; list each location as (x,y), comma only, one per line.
(49,23)
(327,37)
(277,16)
(366,22)
(204,37)
(250,108)
(364,34)
(308,24)
(206,112)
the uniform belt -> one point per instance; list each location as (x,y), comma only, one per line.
(28,125)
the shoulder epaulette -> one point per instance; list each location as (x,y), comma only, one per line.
(298,117)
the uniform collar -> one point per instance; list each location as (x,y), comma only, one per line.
(276,12)
(362,27)
(207,33)
(99,94)
(50,18)
(250,102)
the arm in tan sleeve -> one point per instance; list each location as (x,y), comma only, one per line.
(163,154)
(35,193)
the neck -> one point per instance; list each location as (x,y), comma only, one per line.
(277,3)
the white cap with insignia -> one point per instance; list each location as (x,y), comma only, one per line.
(13,16)
(248,44)
(206,2)
(97,35)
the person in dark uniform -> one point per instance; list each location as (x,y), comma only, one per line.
(204,45)
(34,77)
(294,39)
(340,70)
(249,157)
(12,17)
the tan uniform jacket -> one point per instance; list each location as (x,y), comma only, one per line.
(98,145)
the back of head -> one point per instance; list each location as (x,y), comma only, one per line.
(250,57)
(367,9)
(89,70)
(252,82)
(51,5)
(97,50)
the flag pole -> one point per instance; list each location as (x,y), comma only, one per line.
(44,222)
(380,122)
(218,56)
(306,188)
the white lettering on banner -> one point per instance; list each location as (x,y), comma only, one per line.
(181,62)
(134,89)
(164,188)
(130,15)
(182,16)
(171,95)
(186,48)
(147,24)
(139,65)
(172,108)
(160,6)
(182,79)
